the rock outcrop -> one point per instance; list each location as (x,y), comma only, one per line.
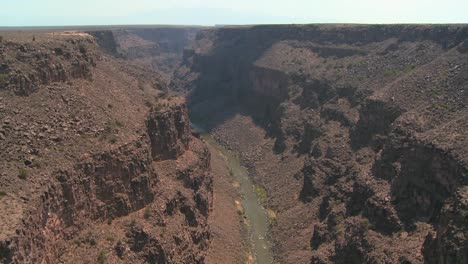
(34,66)
(169,131)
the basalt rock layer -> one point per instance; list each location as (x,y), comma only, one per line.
(358,134)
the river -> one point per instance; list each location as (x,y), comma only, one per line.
(256,216)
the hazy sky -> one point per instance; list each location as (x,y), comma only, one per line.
(209,12)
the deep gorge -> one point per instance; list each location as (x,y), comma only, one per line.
(354,137)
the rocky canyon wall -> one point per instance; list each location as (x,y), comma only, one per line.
(374,115)
(102,168)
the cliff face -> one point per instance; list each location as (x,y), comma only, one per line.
(115,183)
(169,131)
(159,48)
(93,170)
(366,125)
(105,186)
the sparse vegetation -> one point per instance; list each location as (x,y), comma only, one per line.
(88,238)
(113,139)
(36,163)
(3,79)
(23,173)
(261,194)
(110,131)
(158,107)
(132,223)
(271,216)
(101,257)
(410,68)
(394,72)
(366,224)
(148,103)
(2,193)
(391,72)
(110,238)
(118,123)
(147,213)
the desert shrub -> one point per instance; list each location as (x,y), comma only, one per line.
(101,257)
(110,238)
(23,174)
(391,72)
(271,216)
(88,238)
(366,224)
(410,68)
(157,107)
(117,123)
(3,79)
(261,193)
(110,130)
(148,103)
(147,213)
(36,163)
(113,139)
(132,223)
(2,193)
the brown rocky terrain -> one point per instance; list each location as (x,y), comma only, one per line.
(358,134)
(98,163)
(158,48)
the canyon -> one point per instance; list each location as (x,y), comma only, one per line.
(352,138)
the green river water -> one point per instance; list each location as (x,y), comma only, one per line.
(255,214)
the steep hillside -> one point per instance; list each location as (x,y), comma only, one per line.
(97,162)
(358,134)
